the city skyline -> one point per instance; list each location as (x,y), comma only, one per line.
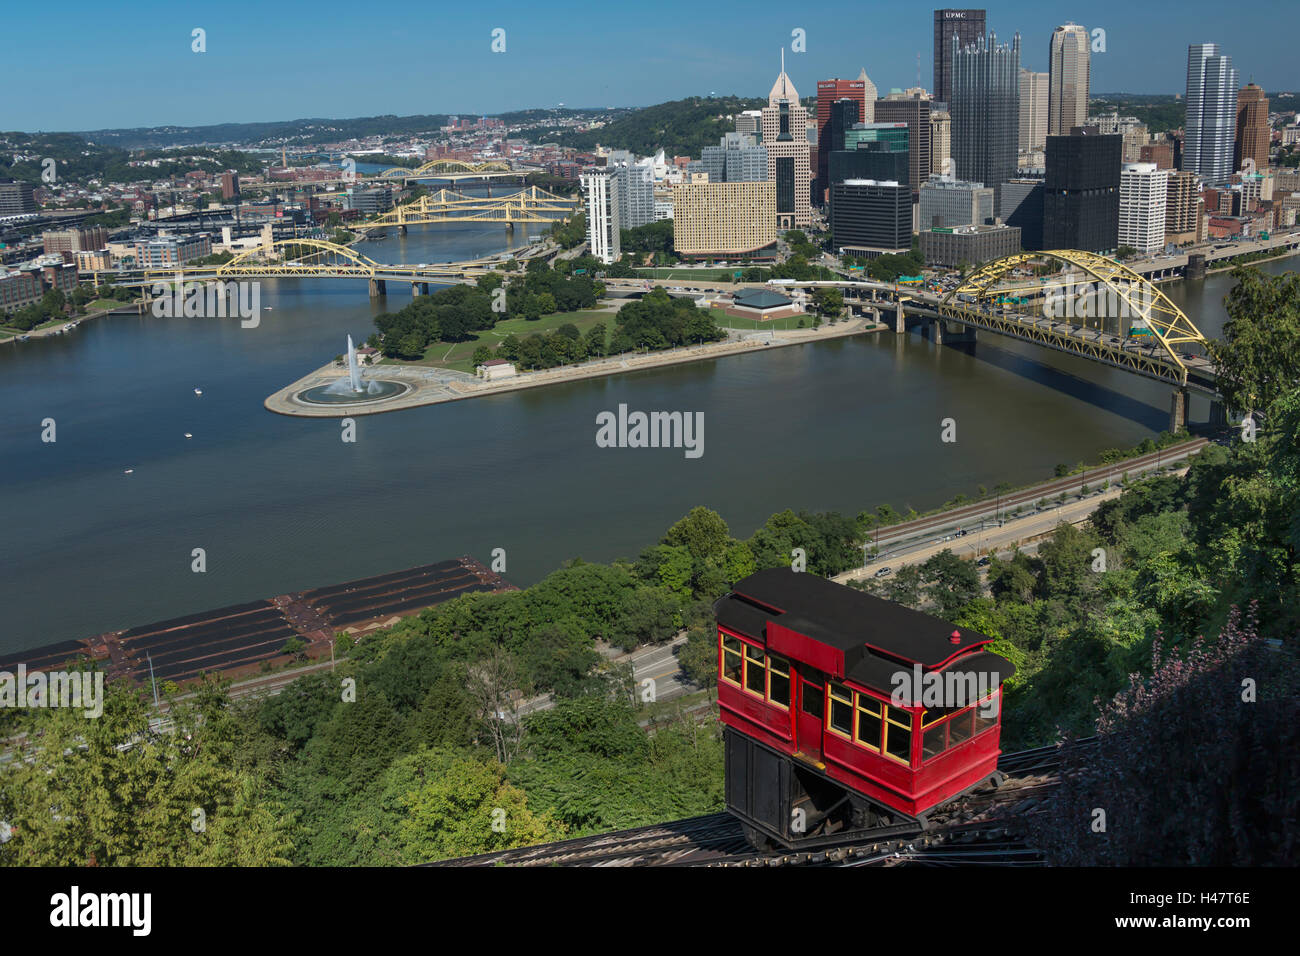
(399,71)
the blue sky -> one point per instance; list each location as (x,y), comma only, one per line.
(85,65)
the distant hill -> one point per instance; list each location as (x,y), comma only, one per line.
(290,132)
(679,128)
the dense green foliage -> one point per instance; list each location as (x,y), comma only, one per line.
(1161,112)
(1259,356)
(455,314)
(679,128)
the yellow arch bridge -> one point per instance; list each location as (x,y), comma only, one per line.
(453,169)
(447,205)
(315,258)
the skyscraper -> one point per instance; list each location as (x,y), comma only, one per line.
(967,26)
(600,183)
(841,115)
(940,140)
(913,110)
(1211,113)
(1143,194)
(788,157)
(829,93)
(736,160)
(868,98)
(636,194)
(1252,127)
(1069,66)
(1081,191)
(1033,111)
(985,110)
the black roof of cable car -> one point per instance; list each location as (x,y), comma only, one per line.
(841,617)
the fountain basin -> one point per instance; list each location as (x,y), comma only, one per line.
(339,392)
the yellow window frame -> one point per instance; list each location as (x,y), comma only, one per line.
(772,668)
(858,707)
(830,709)
(760,661)
(909,726)
(723,637)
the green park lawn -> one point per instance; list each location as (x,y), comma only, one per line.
(459,356)
(749,325)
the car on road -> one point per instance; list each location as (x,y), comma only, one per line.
(883,571)
(982,562)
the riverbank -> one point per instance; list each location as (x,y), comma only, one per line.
(56,327)
(432,387)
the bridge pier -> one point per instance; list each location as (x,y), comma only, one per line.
(1178,410)
(510,227)
(419,288)
(1218,414)
(401,230)
(959,332)
(900,321)
(378,288)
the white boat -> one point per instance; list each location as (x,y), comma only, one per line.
(128,471)
(188,435)
(198,391)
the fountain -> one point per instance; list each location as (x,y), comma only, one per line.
(353,389)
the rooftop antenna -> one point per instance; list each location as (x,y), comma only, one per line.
(918,69)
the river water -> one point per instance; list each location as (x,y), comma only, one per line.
(282,504)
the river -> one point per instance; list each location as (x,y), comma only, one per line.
(281,504)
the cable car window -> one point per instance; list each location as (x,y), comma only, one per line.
(755,671)
(731,659)
(898,734)
(841,715)
(778,682)
(812,700)
(934,740)
(933,715)
(959,727)
(869,722)
(986,713)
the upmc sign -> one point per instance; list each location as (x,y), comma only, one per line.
(960,14)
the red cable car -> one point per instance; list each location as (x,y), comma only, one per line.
(847,712)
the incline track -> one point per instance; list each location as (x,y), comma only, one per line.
(983,827)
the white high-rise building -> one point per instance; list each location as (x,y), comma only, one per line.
(1211,123)
(1033,111)
(601,186)
(1143,195)
(1070,63)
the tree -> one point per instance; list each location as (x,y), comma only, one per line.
(495,684)
(951,583)
(1258,359)
(699,657)
(113,791)
(481,354)
(451,806)
(1169,749)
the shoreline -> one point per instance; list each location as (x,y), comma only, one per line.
(431,386)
